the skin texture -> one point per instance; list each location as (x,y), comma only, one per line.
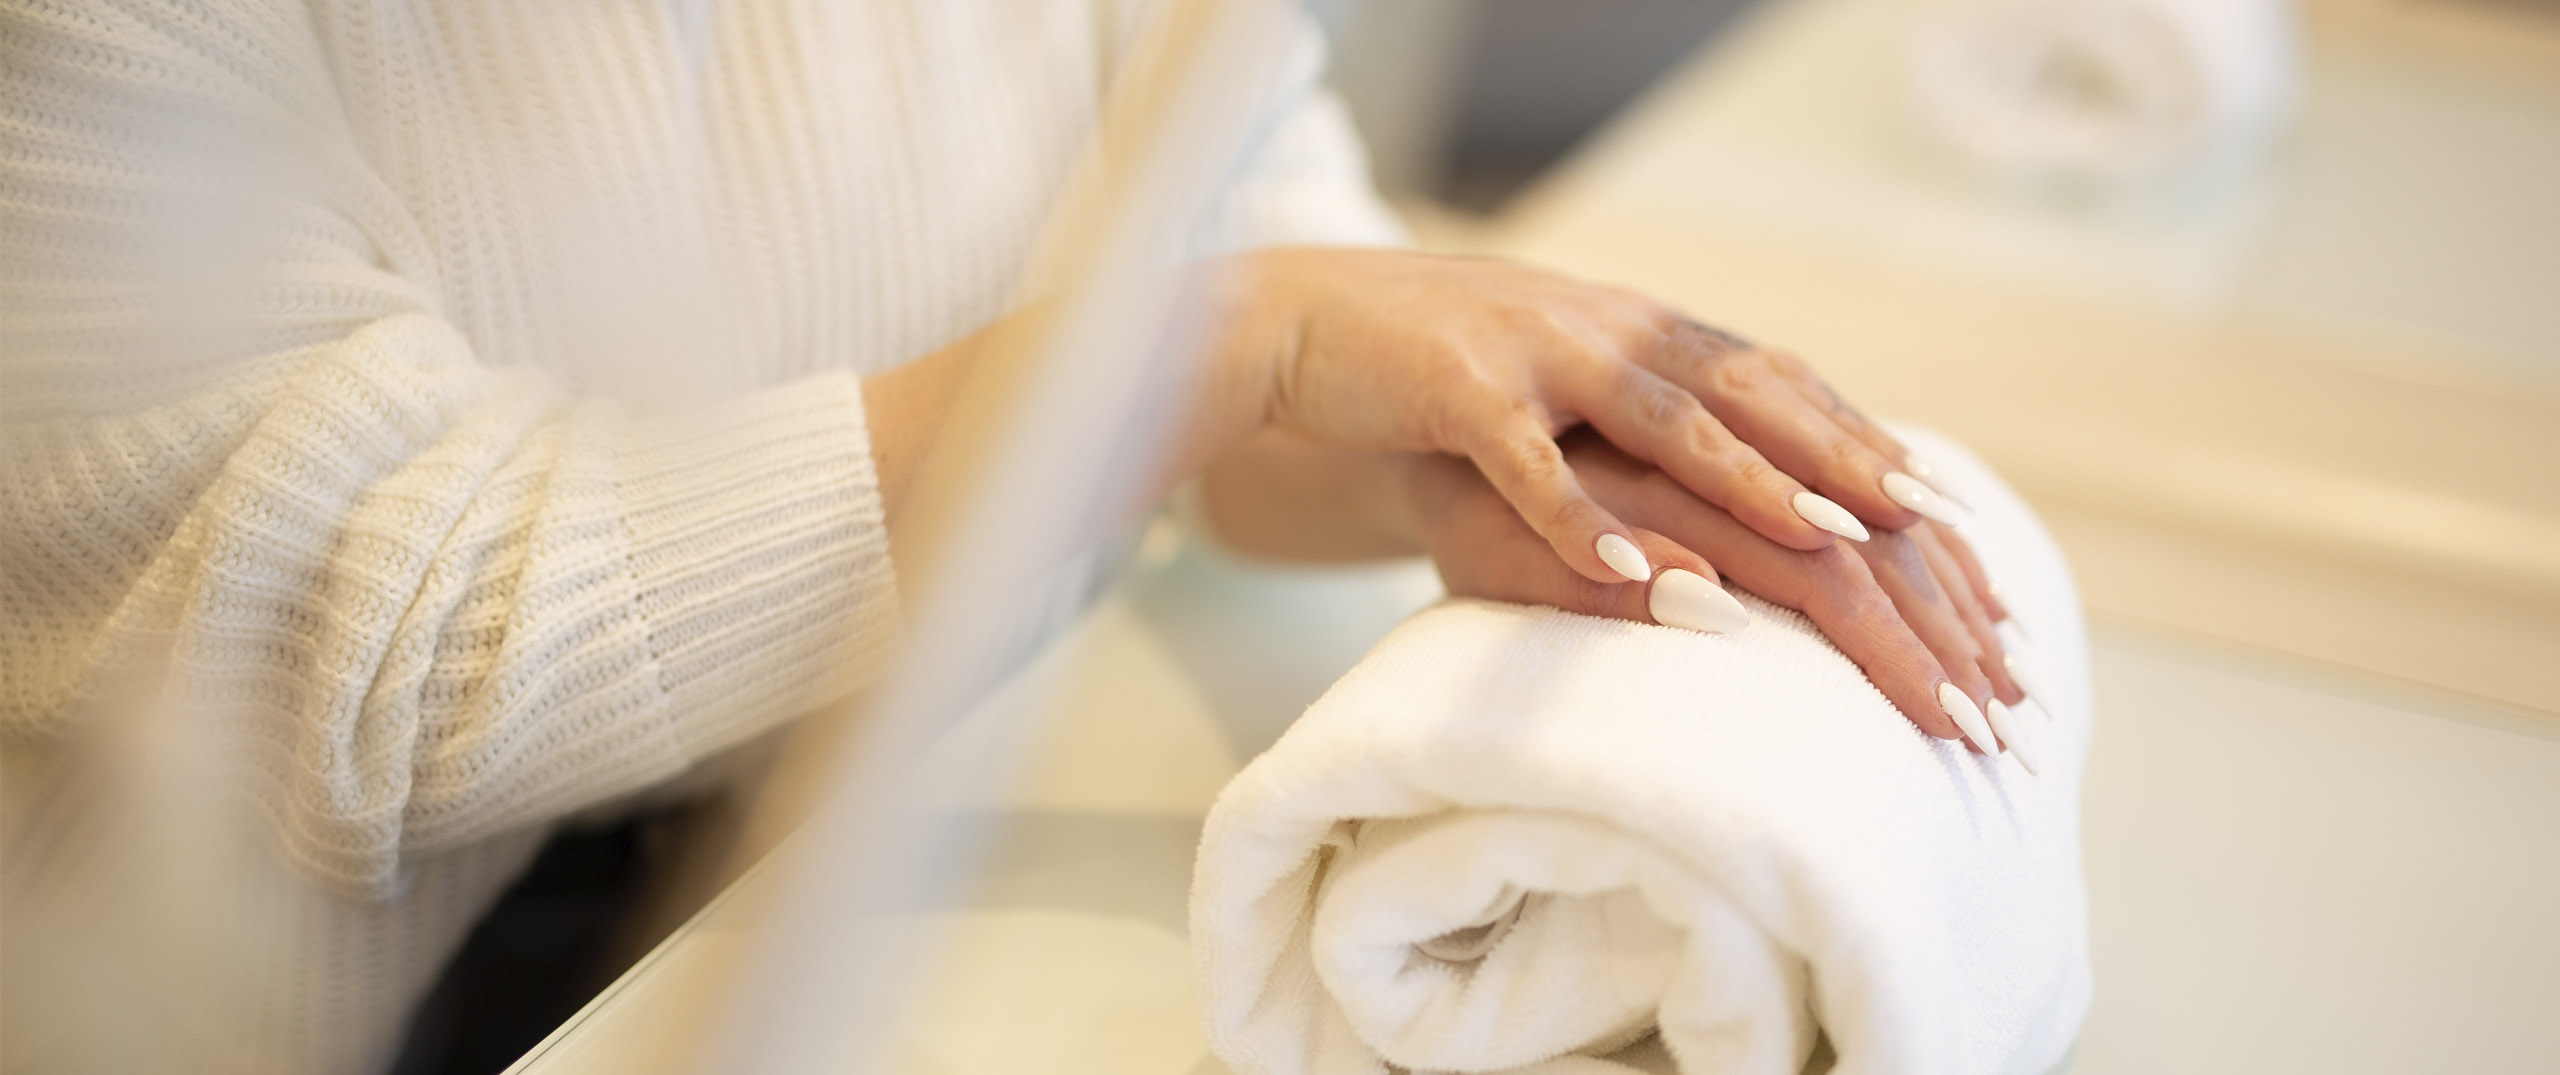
(1366,403)
(1881,601)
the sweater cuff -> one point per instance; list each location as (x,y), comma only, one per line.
(760,557)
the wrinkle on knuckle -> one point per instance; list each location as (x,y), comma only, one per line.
(1664,405)
(1751,470)
(1737,377)
(1532,459)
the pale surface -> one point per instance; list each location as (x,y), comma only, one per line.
(2315,411)
(2295,872)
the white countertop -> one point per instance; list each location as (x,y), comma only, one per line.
(2316,411)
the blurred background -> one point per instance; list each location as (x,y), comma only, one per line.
(2257,303)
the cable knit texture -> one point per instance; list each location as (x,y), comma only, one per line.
(341,343)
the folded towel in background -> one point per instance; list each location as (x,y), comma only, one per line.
(1517,836)
(2111,92)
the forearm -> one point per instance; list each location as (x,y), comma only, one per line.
(1280,497)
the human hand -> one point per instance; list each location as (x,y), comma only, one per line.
(1377,349)
(1902,605)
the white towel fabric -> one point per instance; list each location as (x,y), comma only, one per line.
(1517,836)
(2110,91)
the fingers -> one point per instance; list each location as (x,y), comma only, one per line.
(1754,397)
(1484,549)
(1975,578)
(1683,592)
(1819,394)
(1901,567)
(1951,580)
(1832,586)
(1686,593)
(1664,424)
(1519,456)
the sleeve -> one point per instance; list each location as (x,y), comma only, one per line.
(428,599)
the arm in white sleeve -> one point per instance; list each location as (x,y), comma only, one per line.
(436,599)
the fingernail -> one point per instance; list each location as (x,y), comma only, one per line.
(2023,674)
(2013,634)
(1624,557)
(2013,732)
(1967,717)
(1908,492)
(1687,600)
(1822,512)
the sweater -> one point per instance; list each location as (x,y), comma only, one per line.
(449,414)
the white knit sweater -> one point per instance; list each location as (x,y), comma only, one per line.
(334,336)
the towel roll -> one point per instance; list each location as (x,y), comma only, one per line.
(2104,92)
(1521,839)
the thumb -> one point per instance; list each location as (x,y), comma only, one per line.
(1683,591)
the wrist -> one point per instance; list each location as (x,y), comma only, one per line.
(1260,309)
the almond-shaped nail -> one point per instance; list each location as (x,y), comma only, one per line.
(1687,600)
(1623,557)
(2021,740)
(2024,675)
(1821,511)
(1908,492)
(1967,716)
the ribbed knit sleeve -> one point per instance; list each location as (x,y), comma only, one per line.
(435,599)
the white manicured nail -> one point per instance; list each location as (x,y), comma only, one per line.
(1967,716)
(1686,599)
(1624,557)
(2013,732)
(1820,511)
(2013,634)
(1908,492)
(2023,674)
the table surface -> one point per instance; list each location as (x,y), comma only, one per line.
(2314,410)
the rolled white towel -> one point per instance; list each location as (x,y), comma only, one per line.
(2111,92)
(1517,836)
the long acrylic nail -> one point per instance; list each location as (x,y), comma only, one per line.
(2023,674)
(1968,718)
(1908,492)
(1686,599)
(1822,512)
(2015,733)
(1624,557)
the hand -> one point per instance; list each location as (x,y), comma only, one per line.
(1902,605)
(1375,349)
